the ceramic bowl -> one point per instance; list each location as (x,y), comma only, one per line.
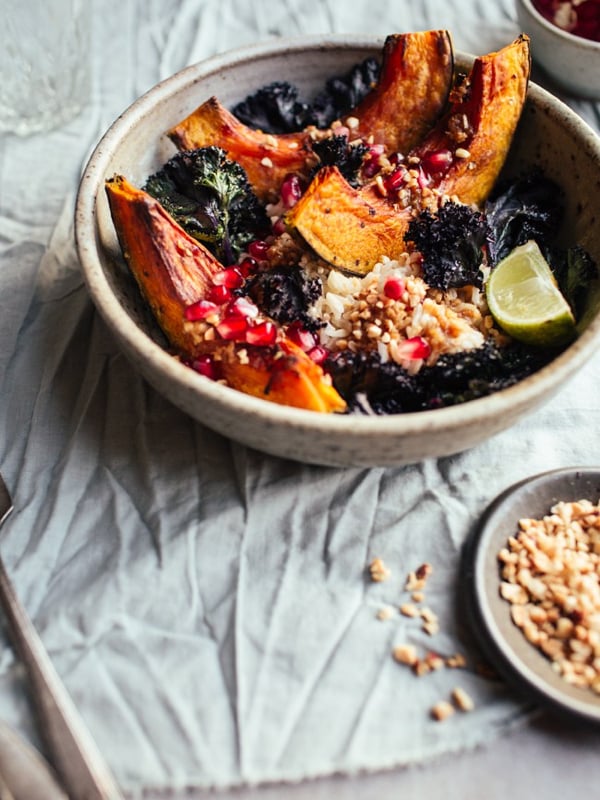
(571,61)
(550,136)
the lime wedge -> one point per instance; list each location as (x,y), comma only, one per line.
(525,301)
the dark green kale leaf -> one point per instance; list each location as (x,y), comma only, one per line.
(452,244)
(575,270)
(336,151)
(210,197)
(276,108)
(285,294)
(530,207)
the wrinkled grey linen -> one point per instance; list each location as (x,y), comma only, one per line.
(207,605)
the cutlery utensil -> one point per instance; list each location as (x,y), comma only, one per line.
(24,774)
(74,754)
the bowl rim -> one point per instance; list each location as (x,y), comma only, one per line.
(506,401)
(561,33)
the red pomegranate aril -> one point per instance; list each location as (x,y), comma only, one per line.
(219,294)
(248,266)
(422,179)
(279,226)
(205,365)
(200,310)
(394,288)
(300,336)
(414,348)
(318,354)
(231,277)
(396,179)
(233,328)
(258,249)
(242,307)
(436,162)
(263,334)
(291,191)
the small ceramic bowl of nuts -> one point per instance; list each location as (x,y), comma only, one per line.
(533,582)
(565,42)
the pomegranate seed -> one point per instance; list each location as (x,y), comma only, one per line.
(396,179)
(394,288)
(248,266)
(300,336)
(414,348)
(233,328)
(230,277)
(219,294)
(205,365)
(258,249)
(318,354)
(291,190)
(263,334)
(279,226)
(242,307)
(436,162)
(200,310)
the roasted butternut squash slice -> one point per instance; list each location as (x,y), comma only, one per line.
(353,228)
(478,128)
(266,158)
(171,268)
(413,87)
(350,228)
(174,271)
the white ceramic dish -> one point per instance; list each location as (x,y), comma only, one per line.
(572,61)
(550,135)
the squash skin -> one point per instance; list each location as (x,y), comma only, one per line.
(331,214)
(173,271)
(414,84)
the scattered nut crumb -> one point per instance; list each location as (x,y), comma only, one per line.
(442,710)
(405,654)
(418,597)
(456,661)
(409,610)
(378,570)
(386,612)
(462,699)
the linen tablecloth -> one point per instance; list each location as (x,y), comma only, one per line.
(208,606)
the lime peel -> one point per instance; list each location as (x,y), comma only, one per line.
(525,301)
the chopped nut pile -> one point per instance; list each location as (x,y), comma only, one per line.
(551,577)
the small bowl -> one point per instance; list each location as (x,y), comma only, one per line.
(550,136)
(508,651)
(571,61)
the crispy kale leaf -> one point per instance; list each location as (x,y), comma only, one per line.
(529,208)
(336,151)
(370,386)
(575,270)
(285,294)
(211,198)
(276,108)
(451,243)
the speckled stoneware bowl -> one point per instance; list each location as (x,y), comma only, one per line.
(571,61)
(550,136)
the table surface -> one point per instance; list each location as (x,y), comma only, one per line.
(76,423)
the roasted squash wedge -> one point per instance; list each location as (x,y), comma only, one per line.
(171,268)
(353,228)
(174,271)
(266,158)
(479,126)
(412,91)
(415,80)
